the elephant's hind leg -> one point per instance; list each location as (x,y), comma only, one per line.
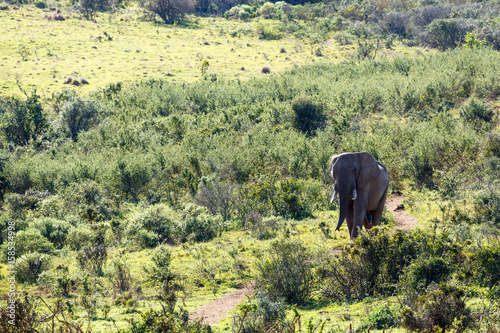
(377,213)
(367,222)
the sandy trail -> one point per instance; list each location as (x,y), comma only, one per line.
(213,312)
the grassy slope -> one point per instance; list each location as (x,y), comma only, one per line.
(138,50)
(144,50)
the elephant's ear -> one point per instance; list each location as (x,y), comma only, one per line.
(334,160)
(367,169)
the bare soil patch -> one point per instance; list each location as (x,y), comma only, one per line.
(397,209)
(213,312)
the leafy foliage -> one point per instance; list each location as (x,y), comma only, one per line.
(287,272)
(22,121)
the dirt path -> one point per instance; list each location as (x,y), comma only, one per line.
(213,312)
(403,219)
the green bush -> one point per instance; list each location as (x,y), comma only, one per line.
(379,263)
(155,224)
(79,114)
(487,208)
(199,225)
(380,317)
(309,116)
(22,121)
(286,272)
(424,271)
(29,240)
(90,201)
(477,115)
(54,230)
(267,32)
(79,236)
(30,265)
(93,258)
(259,315)
(439,306)
(444,33)
(485,262)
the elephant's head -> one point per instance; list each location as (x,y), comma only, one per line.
(350,172)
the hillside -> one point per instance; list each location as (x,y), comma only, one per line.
(157,188)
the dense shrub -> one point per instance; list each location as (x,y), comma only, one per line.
(381,317)
(219,197)
(376,263)
(259,315)
(29,240)
(444,33)
(90,201)
(485,263)
(199,225)
(89,8)
(286,272)
(29,266)
(79,114)
(441,306)
(477,115)
(54,230)
(93,258)
(170,11)
(487,208)
(309,116)
(22,121)
(79,236)
(155,224)
(120,276)
(424,271)
(158,322)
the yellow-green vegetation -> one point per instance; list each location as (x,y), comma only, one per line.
(176,176)
(43,54)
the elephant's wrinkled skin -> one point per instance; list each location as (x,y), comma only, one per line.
(361,184)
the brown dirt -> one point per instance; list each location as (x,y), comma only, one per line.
(213,312)
(403,219)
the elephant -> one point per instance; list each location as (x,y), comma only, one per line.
(361,184)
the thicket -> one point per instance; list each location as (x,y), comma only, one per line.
(157,162)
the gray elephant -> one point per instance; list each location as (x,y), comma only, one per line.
(361,183)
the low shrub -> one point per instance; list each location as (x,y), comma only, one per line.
(485,264)
(199,225)
(155,224)
(308,116)
(424,271)
(477,115)
(267,32)
(29,240)
(79,114)
(440,306)
(29,266)
(377,262)
(218,196)
(259,315)
(79,236)
(54,230)
(380,317)
(22,121)
(286,272)
(93,258)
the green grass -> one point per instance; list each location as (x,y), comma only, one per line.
(42,54)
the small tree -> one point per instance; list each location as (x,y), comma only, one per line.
(22,121)
(90,7)
(170,11)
